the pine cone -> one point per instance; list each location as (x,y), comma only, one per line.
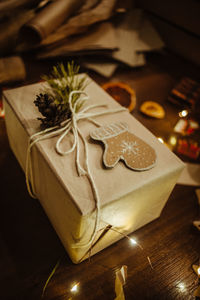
(54,113)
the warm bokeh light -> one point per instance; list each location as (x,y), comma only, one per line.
(74,289)
(198,271)
(161,140)
(172,140)
(133,241)
(181,286)
(183,113)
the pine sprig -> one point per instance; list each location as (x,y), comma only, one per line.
(66,82)
(54,102)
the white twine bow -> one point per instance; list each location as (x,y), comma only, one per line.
(70,125)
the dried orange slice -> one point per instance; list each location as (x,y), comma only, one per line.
(122,93)
(152,109)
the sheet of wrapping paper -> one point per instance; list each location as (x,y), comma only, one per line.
(190,175)
(196,269)
(129,199)
(104,68)
(101,36)
(88,15)
(136,34)
(111,183)
(120,280)
(197,224)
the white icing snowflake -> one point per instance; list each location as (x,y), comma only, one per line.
(130,147)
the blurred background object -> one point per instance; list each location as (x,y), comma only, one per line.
(101,34)
(178,23)
(48,19)
(7,67)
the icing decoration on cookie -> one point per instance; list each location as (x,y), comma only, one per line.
(120,144)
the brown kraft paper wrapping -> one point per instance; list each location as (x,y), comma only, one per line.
(129,199)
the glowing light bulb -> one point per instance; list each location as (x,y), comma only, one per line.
(173,140)
(133,241)
(161,140)
(183,113)
(181,286)
(74,289)
(198,271)
(121,10)
(2,112)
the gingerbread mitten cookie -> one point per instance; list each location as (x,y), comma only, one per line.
(120,144)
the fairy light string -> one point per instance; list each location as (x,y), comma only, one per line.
(104,230)
(108,227)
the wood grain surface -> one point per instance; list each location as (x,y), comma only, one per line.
(30,248)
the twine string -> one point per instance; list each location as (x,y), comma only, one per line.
(71,125)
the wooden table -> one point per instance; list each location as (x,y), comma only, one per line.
(30,248)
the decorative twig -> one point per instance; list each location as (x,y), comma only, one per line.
(53,103)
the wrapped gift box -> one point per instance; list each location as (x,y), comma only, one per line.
(128,199)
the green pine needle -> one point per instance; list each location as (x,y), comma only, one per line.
(67,81)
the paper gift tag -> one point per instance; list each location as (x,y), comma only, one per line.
(120,144)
